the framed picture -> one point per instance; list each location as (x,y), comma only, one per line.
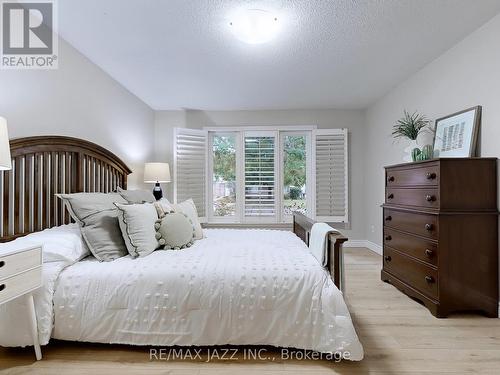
(456,135)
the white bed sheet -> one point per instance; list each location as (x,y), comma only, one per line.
(239,287)
(62,246)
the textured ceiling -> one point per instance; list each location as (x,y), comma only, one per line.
(330,54)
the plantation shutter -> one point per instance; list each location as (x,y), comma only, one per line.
(260,176)
(331,175)
(190,168)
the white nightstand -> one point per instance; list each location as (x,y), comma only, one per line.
(20,275)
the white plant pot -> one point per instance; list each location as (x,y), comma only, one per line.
(412,144)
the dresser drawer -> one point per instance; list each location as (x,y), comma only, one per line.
(18,262)
(19,284)
(427,198)
(416,274)
(421,176)
(421,224)
(420,248)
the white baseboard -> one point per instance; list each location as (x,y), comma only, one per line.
(365,243)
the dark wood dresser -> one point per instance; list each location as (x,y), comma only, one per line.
(441,233)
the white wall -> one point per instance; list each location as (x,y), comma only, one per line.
(353,120)
(465,76)
(79,100)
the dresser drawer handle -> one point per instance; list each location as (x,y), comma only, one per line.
(388,238)
(430,175)
(429,279)
(429,226)
(430,198)
(390,196)
(391,179)
(2,287)
(387,258)
(429,252)
(2,263)
(388,218)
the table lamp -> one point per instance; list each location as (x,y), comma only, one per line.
(156,173)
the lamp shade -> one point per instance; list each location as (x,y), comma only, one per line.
(156,172)
(5,159)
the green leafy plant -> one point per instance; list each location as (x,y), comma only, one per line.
(410,126)
(295,192)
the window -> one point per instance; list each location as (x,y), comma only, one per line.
(256,175)
(295,158)
(223,175)
(260,179)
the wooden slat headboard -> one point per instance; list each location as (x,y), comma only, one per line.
(44,166)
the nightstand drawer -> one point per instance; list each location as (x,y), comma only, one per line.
(18,262)
(19,284)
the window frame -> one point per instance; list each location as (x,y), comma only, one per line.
(287,219)
(236,218)
(279,133)
(259,219)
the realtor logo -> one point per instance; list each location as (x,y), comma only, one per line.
(29,38)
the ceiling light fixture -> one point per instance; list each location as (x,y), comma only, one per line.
(254,26)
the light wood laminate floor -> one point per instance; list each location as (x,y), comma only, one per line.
(399,337)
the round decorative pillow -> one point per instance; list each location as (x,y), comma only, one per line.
(174,231)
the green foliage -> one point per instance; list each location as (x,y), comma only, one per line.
(224,158)
(295,161)
(409,126)
(295,192)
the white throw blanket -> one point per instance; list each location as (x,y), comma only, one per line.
(318,242)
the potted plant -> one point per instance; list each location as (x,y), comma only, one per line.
(409,127)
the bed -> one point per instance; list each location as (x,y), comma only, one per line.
(233,287)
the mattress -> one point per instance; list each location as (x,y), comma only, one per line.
(233,287)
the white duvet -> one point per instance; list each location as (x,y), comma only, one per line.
(239,287)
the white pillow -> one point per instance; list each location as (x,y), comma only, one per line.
(137,223)
(189,209)
(63,243)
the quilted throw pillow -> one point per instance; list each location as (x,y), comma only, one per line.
(175,231)
(137,223)
(98,218)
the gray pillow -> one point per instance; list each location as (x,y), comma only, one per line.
(175,231)
(137,223)
(98,218)
(136,196)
